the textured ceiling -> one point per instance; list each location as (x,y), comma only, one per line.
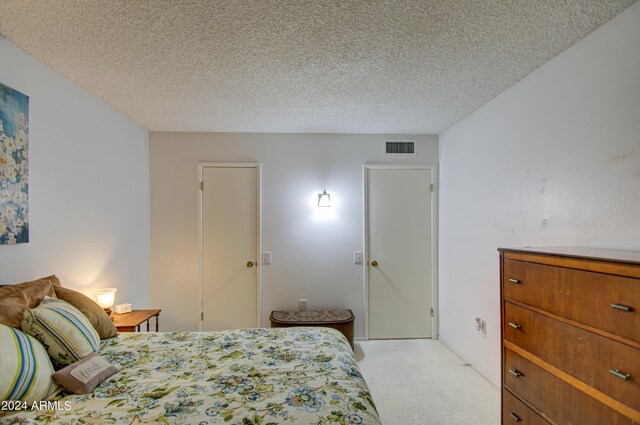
(360,66)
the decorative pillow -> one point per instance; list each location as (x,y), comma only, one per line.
(14,299)
(92,311)
(26,368)
(62,329)
(83,376)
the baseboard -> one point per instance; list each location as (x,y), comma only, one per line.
(446,344)
(361,338)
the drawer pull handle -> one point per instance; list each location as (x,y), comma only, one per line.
(621,307)
(515,373)
(514,325)
(618,374)
(515,417)
(514,280)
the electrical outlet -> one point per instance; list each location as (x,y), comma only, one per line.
(481,326)
(302,304)
(266,257)
(357,257)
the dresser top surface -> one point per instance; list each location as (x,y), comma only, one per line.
(599,254)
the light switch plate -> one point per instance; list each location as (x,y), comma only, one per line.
(266,257)
(357,257)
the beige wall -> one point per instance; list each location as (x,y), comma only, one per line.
(312,254)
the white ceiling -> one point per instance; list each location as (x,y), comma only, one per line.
(331,66)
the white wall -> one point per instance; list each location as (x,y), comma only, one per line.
(88,187)
(555,160)
(312,256)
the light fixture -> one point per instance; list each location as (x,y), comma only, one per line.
(324,199)
(106,297)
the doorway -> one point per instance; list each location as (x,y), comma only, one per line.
(400,251)
(230,244)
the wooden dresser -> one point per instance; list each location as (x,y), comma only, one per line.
(570,336)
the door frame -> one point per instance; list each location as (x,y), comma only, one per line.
(435,325)
(257,166)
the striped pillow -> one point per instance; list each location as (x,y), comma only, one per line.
(62,329)
(26,368)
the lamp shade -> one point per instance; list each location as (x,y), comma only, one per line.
(106,297)
(324,199)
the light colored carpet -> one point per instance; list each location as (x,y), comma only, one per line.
(422,382)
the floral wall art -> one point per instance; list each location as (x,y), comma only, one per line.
(14,166)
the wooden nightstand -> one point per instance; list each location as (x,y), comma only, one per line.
(130,322)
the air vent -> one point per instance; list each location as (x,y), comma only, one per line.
(400,147)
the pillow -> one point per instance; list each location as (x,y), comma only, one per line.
(92,311)
(26,368)
(83,376)
(62,329)
(14,299)
(9,289)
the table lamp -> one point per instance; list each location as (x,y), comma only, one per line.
(106,297)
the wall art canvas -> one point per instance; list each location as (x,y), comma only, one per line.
(14,166)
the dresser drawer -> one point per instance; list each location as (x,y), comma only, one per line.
(583,296)
(554,398)
(516,412)
(582,354)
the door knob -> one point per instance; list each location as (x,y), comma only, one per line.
(249,263)
(374,263)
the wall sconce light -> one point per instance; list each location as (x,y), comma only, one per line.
(324,199)
(106,297)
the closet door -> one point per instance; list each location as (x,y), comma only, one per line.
(230,242)
(399,267)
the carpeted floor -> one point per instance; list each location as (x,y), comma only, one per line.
(422,382)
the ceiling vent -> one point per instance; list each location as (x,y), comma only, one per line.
(400,147)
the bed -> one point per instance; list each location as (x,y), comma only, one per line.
(246,376)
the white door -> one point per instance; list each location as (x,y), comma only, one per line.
(229,247)
(399,253)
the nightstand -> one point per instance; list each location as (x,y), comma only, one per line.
(130,322)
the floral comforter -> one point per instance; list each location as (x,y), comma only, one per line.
(245,377)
